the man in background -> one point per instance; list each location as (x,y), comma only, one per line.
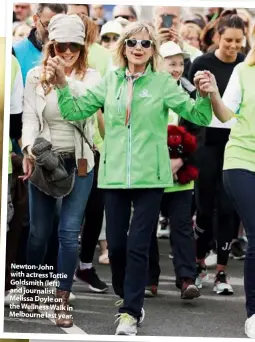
(29,50)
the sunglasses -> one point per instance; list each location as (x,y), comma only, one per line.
(145,43)
(107,39)
(127,17)
(62,47)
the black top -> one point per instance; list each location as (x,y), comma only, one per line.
(222,72)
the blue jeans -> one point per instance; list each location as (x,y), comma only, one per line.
(240,185)
(42,212)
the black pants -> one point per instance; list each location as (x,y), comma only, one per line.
(210,195)
(94,215)
(240,185)
(179,213)
(129,247)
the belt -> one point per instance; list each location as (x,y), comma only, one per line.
(67,155)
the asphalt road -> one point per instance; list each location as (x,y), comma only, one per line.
(166,315)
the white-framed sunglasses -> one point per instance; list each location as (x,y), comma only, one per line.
(145,43)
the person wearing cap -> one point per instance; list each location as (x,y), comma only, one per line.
(71,142)
(110,33)
(134,164)
(177,199)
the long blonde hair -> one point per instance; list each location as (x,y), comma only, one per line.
(80,66)
(130,30)
(250,59)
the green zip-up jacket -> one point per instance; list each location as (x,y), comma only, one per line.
(135,155)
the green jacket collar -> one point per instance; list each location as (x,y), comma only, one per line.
(121,72)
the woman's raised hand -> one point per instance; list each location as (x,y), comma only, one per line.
(55,71)
(205,83)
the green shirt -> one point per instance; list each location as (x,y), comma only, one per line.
(240,149)
(99,58)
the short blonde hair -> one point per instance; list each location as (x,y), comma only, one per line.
(130,30)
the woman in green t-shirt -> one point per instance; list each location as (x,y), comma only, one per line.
(239,161)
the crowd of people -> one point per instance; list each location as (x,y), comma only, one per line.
(122,131)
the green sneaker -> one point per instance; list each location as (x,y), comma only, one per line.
(127,325)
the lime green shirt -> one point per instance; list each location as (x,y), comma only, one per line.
(240,149)
(99,58)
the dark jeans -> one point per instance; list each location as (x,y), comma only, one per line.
(129,247)
(240,185)
(179,213)
(42,212)
(94,215)
(210,195)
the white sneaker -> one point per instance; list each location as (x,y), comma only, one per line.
(202,277)
(250,327)
(211,260)
(221,286)
(141,319)
(127,325)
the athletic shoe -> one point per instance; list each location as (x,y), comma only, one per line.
(250,327)
(127,325)
(221,286)
(211,259)
(237,253)
(163,230)
(189,290)
(202,276)
(90,277)
(141,319)
(151,291)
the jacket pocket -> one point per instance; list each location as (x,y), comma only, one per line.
(158,162)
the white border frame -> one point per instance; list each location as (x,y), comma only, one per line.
(73,337)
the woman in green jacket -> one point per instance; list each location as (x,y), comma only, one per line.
(135,165)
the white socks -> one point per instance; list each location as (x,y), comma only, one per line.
(84,266)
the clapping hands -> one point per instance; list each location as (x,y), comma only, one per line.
(205,83)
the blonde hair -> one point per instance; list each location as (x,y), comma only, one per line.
(250,58)
(80,66)
(130,30)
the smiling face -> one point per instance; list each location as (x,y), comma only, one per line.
(109,40)
(230,42)
(138,56)
(69,52)
(174,65)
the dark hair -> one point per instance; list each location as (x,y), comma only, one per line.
(86,5)
(56,8)
(230,21)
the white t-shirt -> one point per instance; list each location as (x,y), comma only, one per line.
(232,97)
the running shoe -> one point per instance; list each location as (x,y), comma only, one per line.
(237,252)
(211,260)
(189,290)
(250,327)
(202,276)
(151,291)
(221,286)
(90,277)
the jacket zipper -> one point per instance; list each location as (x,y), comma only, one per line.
(158,168)
(129,144)
(129,150)
(105,153)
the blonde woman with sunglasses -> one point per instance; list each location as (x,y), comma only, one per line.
(72,143)
(134,166)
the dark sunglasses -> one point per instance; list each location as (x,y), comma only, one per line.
(127,17)
(145,43)
(62,47)
(107,39)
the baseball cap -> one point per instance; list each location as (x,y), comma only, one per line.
(169,49)
(111,27)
